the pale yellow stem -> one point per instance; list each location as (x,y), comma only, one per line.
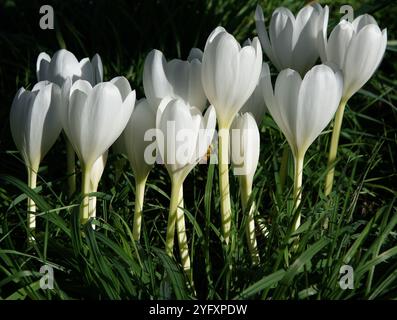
(246,190)
(182,238)
(298,172)
(92,202)
(223,167)
(92,210)
(333,150)
(86,189)
(139,197)
(32,183)
(174,203)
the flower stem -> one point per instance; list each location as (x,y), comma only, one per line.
(223,166)
(92,206)
(174,203)
(298,162)
(71,167)
(329,180)
(246,190)
(86,189)
(92,200)
(32,182)
(182,238)
(140,184)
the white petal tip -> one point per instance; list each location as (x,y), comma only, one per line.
(215,33)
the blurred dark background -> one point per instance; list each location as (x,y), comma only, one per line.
(122,32)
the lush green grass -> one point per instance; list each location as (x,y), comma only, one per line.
(361,213)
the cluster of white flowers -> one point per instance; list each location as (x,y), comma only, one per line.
(175,125)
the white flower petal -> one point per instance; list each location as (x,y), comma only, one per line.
(219,71)
(195,53)
(322,34)
(96,120)
(19,115)
(97,68)
(281,33)
(229,73)
(142,119)
(163,104)
(319,97)
(176,119)
(123,85)
(286,94)
(63,65)
(363,57)
(214,34)
(34,121)
(294,43)
(247,79)
(71,115)
(363,20)
(177,72)
(196,93)
(87,71)
(155,82)
(40,85)
(97,171)
(255,103)
(262,34)
(339,42)
(304,43)
(245,145)
(42,65)
(267,87)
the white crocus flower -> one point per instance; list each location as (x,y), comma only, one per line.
(57,69)
(177,79)
(142,119)
(357,49)
(93,118)
(64,64)
(99,165)
(183,138)
(292,41)
(302,108)
(229,76)
(245,148)
(35,126)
